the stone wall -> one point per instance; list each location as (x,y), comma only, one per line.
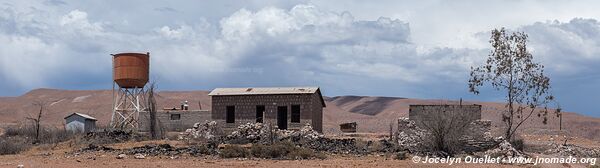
(187,119)
(476,137)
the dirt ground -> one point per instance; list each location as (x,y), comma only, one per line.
(62,156)
(109,160)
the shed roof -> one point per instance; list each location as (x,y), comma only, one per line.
(266,91)
(82,115)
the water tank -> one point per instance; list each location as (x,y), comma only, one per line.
(131,70)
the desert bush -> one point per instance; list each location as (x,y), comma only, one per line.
(518,142)
(234,151)
(284,150)
(22,130)
(48,135)
(270,151)
(402,155)
(444,131)
(199,150)
(13,145)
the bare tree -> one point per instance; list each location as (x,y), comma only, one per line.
(510,68)
(152,111)
(37,119)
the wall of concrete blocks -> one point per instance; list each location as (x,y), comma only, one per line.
(311,110)
(187,120)
(428,113)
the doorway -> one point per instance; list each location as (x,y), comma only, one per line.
(260,110)
(282,117)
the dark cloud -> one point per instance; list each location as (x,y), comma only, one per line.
(257,43)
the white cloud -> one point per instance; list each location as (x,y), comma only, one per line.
(344,47)
(567,48)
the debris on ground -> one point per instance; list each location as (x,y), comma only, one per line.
(206,130)
(139,156)
(110,136)
(250,133)
(121,156)
(409,135)
(504,150)
(168,150)
(92,147)
(572,150)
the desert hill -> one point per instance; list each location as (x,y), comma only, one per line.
(373,114)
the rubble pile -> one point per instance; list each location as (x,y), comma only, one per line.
(249,132)
(206,130)
(409,135)
(260,133)
(92,147)
(305,133)
(154,150)
(305,137)
(504,150)
(168,150)
(572,150)
(110,136)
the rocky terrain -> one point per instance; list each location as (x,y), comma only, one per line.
(373,114)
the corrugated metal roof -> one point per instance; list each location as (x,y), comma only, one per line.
(265,90)
(82,115)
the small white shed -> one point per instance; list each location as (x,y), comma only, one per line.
(78,122)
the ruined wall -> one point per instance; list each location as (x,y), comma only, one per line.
(428,113)
(477,135)
(311,110)
(187,120)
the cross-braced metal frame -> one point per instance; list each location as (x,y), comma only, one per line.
(127,104)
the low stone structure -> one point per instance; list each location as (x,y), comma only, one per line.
(174,120)
(477,135)
(427,113)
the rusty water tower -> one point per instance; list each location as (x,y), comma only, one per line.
(130,75)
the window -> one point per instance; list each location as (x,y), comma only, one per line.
(175,116)
(230,114)
(295,113)
(260,110)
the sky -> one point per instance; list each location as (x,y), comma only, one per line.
(416,49)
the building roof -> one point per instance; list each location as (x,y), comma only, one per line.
(266,91)
(82,115)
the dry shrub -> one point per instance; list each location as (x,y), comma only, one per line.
(402,155)
(284,150)
(13,145)
(20,138)
(234,151)
(48,135)
(518,142)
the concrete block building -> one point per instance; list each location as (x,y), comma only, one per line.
(174,120)
(284,107)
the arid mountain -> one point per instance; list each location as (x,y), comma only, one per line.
(373,114)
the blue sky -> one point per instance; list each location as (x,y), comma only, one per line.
(421,49)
